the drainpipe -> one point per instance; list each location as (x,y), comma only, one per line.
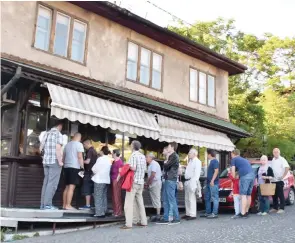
(12,81)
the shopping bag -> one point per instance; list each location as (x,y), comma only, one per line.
(267,189)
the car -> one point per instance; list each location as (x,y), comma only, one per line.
(225,190)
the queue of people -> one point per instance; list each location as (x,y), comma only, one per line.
(99,172)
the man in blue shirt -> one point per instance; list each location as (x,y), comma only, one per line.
(247,177)
(212,187)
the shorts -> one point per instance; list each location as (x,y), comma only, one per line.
(71,176)
(87,185)
(246,184)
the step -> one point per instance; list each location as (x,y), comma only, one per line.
(30,213)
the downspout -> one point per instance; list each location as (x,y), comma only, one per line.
(12,81)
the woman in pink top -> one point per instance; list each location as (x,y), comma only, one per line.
(116,185)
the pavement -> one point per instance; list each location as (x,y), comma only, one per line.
(271,228)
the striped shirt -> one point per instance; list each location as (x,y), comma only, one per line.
(51,139)
(138,160)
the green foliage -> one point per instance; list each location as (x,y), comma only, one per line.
(19,237)
(256,99)
(36,234)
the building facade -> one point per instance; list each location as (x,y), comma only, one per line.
(115,77)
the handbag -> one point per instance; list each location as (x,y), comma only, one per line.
(267,189)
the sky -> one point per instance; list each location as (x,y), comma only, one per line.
(251,16)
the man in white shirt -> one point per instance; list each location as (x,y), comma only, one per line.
(154,183)
(192,176)
(280,169)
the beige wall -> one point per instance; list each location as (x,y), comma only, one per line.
(106,56)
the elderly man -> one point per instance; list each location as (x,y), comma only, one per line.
(154,183)
(280,169)
(134,198)
(192,175)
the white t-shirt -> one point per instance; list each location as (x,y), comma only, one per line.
(278,166)
(155,167)
(101,170)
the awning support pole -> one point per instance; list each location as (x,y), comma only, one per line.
(12,81)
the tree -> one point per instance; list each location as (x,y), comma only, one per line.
(271,65)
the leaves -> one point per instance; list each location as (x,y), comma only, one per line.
(258,99)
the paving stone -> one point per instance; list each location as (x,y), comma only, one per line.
(272,228)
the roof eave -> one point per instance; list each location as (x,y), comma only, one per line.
(165,36)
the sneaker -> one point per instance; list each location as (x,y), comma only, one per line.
(264,214)
(155,219)
(205,215)
(212,216)
(259,214)
(237,216)
(244,216)
(162,221)
(86,207)
(273,210)
(173,222)
(281,211)
(185,217)
(50,208)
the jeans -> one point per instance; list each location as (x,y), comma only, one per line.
(164,196)
(211,193)
(263,202)
(170,200)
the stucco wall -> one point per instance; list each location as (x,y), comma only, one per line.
(106,56)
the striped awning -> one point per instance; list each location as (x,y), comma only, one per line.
(172,130)
(77,106)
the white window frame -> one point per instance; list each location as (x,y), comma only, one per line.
(68,34)
(150,84)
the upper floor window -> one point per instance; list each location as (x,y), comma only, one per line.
(60,34)
(144,66)
(202,88)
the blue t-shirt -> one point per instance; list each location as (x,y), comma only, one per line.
(242,165)
(214,164)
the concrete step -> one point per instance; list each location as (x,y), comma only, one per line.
(30,213)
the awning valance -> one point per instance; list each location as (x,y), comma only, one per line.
(172,130)
(76,106)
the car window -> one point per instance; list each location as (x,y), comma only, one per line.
(223,174)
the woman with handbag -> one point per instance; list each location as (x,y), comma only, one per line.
(264,175)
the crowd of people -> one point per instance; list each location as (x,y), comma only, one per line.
(99,172)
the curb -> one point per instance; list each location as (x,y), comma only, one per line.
(9,236)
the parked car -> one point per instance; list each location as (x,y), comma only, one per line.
(225,190)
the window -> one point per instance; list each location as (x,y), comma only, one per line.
(157,71)
(61,35)
(211,90)
(132,61)
(43,28)
(202,88)
(66,38)
(78,41)
(144,66)
(193,85)
(145,60)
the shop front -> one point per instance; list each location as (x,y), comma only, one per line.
(103,114)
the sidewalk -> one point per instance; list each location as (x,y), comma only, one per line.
(273,228)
